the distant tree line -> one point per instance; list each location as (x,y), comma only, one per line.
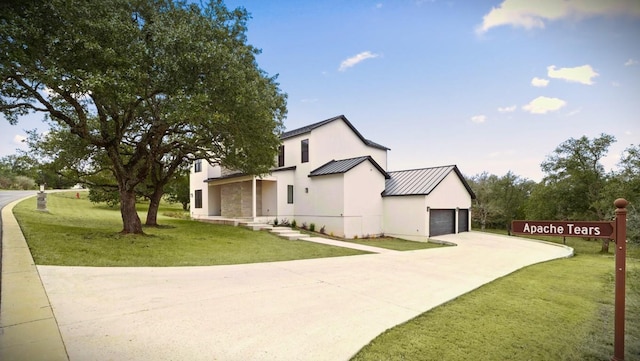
(575,187)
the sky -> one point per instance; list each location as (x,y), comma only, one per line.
(491,86)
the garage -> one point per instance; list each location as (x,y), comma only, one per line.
(463,220)
(442,221)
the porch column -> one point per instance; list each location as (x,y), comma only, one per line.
(253,198)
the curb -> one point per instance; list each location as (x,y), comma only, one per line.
(28,327)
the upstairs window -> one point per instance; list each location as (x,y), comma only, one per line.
(304,145)
(281,156)
(197,166)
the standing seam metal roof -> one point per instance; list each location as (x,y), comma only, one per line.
(344,165)
(420,181)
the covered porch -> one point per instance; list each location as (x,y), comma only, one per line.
(241,198)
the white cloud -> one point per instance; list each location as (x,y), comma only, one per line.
(19,139)
(580,74)
(348,63)
(631,62)
(479,119)
(507,109)
(534,14)
(574,112)
(543,105)
(539,82)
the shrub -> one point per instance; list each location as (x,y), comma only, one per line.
(322,230)
(312,227)
(294,224)
(304,225)
(275,222)
(24,183)
(284,222)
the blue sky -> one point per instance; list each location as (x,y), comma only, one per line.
(487,85)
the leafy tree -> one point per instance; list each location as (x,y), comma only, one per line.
(575,181)
(177,191)
(499,200)
(131,79)
(484,208)
(625,183)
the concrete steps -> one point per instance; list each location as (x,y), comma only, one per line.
(287,233)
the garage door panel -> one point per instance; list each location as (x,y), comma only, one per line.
(442,221)
(463,220)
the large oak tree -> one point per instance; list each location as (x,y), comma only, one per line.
(137,78)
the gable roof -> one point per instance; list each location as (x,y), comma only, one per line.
(309,128)
(420,181)
(345,165)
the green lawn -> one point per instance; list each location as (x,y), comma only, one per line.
(395,243)
(76,232)
(558,310)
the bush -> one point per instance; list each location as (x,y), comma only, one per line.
(275,222)
(312,227)
(322,229)
(294,224)
(304,225)
(24,183)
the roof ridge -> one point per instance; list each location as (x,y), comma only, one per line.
(414,169)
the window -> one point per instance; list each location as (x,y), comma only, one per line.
(198,198)
(281,156)
(197,166)
(290,194)
(305,150)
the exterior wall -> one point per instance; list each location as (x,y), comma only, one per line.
(269,199)
(196,182)
(285,210)
(237,199)
(324,204)
(363,208)
(406,217)
(332,141)
(450,193)
(337,141)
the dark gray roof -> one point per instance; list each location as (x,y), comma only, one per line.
(308,128)
(420,181)
(344,165)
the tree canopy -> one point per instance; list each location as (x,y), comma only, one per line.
(142,82)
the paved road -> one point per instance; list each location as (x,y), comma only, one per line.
(320,309)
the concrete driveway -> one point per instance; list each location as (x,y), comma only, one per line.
(320,309)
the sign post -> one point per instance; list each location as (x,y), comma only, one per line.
(621,266)
(617,231)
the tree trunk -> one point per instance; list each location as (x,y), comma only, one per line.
(131,223)
(154,205)
(605,246)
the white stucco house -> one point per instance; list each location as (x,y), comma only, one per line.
(328,174)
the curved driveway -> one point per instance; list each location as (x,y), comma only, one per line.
(319,309)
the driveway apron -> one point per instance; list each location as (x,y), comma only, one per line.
(319,309)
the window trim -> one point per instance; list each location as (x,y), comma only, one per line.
(197,202)
(289,194)
(197,166)
(304,150)
(281,156)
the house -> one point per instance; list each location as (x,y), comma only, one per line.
(330,175)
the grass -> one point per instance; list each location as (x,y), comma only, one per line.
(560,310)
(76,232)
(394,243)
